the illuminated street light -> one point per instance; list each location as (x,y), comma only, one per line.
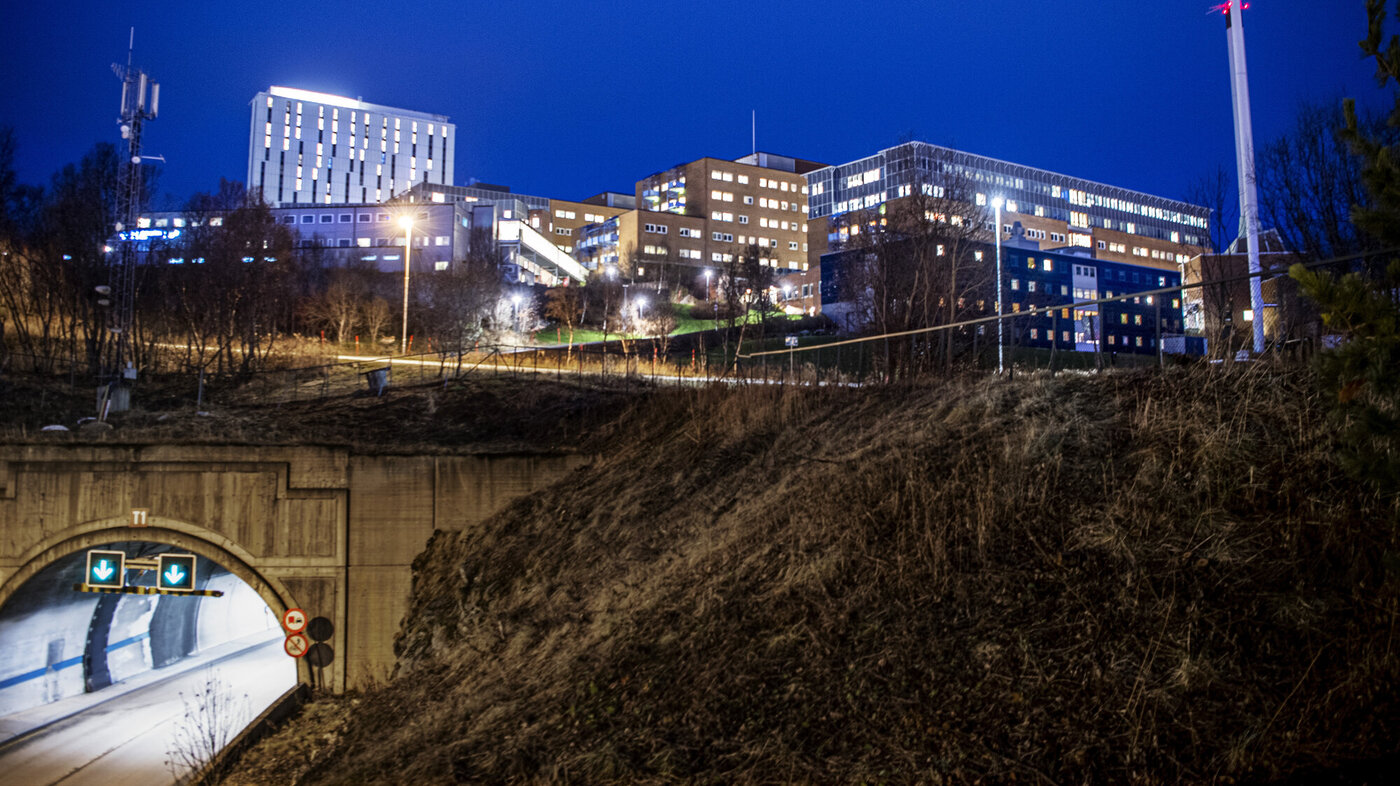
(515,312)
(996,231)
(407,223)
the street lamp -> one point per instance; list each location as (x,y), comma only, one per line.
(515,312)
(407,223)
(996,231)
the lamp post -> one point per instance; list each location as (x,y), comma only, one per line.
(515,312)
(407,223)
(996,233)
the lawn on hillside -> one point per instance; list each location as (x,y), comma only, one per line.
(689,319)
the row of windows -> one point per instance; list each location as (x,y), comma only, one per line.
(767,223)
(354,116)
(763,182)
(342,218)
(1084,337)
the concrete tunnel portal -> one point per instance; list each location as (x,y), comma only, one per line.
(57,642)
(322,529)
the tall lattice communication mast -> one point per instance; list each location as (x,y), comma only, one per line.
(140,102)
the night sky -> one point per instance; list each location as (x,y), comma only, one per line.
(568,99)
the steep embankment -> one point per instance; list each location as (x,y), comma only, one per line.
(1105,579)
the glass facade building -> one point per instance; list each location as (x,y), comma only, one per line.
(899,171)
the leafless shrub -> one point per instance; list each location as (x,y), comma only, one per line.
(213,715)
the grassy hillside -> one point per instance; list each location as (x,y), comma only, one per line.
(1133,577)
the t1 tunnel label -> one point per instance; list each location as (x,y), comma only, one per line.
(175,572)
(106,569)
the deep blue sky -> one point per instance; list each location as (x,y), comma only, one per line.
(566,99)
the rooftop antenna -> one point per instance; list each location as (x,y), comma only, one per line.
(753,131)
(140,102)
(1244,160)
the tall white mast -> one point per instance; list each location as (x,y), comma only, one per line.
(1244,162)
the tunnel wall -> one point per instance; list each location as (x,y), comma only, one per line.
(42,637)
(322,529)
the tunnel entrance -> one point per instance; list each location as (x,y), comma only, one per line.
(60,642)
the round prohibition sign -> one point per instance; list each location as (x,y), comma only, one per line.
(296,645)
(294,620)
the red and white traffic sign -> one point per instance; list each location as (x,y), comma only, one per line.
(294,620)
(296,645)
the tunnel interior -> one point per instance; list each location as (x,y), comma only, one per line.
(57,641)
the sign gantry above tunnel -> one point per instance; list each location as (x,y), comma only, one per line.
(175,574)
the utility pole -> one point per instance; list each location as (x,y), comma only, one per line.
(140,102)
(1244,162)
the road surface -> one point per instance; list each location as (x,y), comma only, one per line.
(127,740)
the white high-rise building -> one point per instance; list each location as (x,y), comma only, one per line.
(316,148)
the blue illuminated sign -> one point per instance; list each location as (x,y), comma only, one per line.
(175,572)
(106,569)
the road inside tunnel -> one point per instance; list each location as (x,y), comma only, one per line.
(61,647)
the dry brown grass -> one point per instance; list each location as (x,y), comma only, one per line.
(1139,577)
(485,413)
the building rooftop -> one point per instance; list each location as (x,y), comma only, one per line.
(343,102)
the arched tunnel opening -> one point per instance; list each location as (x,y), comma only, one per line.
(58,642)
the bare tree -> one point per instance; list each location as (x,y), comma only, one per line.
(459,305)
(237,288)
(374,316)
(916,261)
(1309,182)
(336,310)
(1216,190)
(565,305)
(660,323)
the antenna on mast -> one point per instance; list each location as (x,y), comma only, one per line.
(140,102)
(753,130)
